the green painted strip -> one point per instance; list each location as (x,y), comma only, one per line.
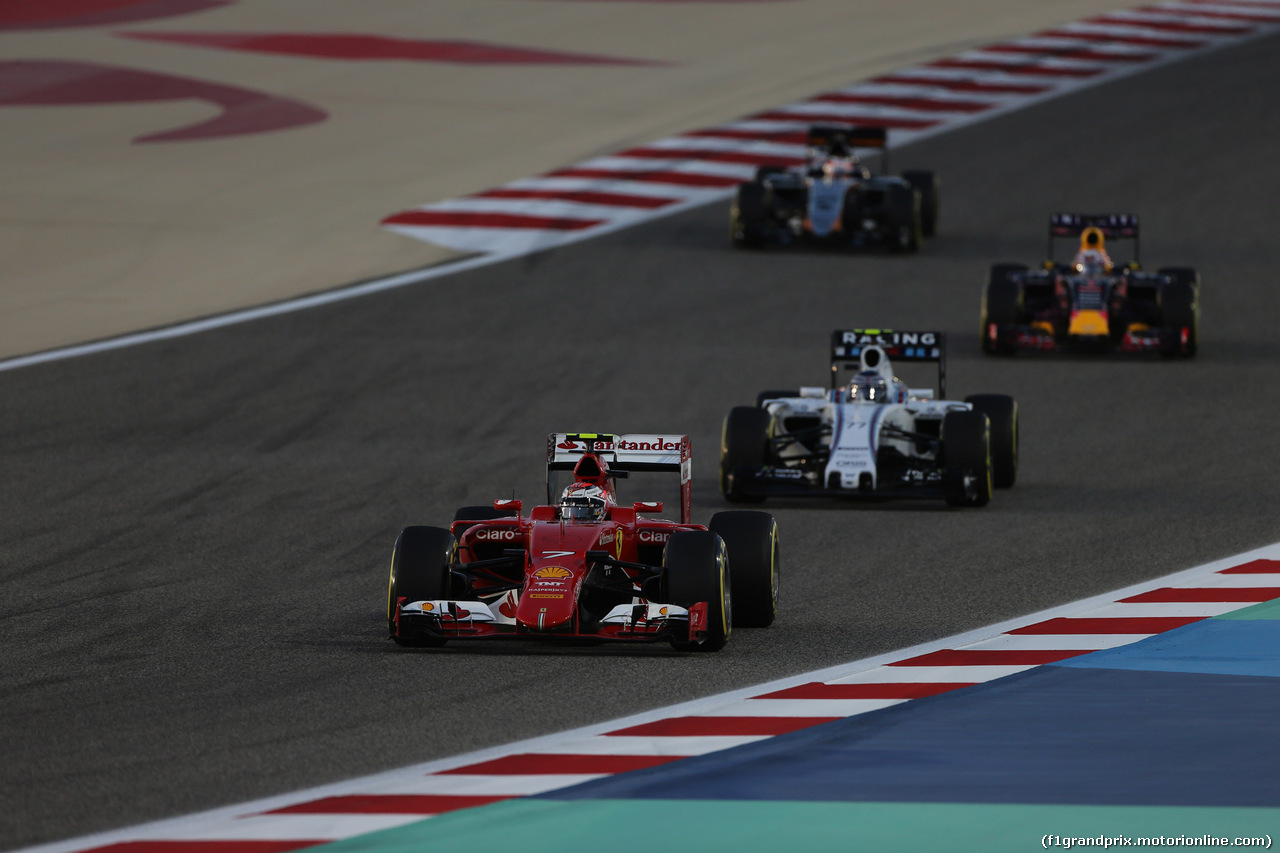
(700,826)
(1265,610)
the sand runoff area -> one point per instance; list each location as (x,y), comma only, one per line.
(163,160)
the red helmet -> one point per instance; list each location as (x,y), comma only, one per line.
(583,502)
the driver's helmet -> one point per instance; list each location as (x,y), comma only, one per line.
(582,502)
(838,168)
(1092,259)
(1092,262)
(868,387)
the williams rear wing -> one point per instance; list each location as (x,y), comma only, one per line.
(1114,226)
(625,453)
(856,348)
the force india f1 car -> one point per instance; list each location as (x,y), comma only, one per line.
(586,567)
(1091,304)
(834,199)
(872,437)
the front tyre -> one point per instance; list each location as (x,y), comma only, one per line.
(1180,310)
(695,565)
(747,215)
(966,448)
(906,229)
(744,441)
(1002,413)
(751,539)
(1001,306)
(930,189)
(420,564)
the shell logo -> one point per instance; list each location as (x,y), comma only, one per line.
(662,612)
(552,572)
(427,606)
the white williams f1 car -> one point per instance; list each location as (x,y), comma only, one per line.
(872,437)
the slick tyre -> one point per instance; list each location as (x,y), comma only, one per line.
(776,395)
(747,215)
(966,448)
(1180,310)
(478,514)
(743,443)
(420,564)
(695,564)
(906,230)
(751,539)
(1002,415)
(930,189)
(1001,306)
(1183,275)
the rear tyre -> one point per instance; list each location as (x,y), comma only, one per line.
(1001,306)
(966,447)
(478,514)
(1002,415)
(1180,310)
(1183,275)
(420,564)
(775,395)
(930,189)
(743,442)
(905,227)
(747,215)
(696,566)
(751,539)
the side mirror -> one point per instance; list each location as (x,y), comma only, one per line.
(647,506)
(503,504)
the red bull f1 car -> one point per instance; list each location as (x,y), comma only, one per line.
(585,566)
(872,437)
(1092,304)
(834,200)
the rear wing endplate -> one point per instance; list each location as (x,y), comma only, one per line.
(848,346)
(630,452)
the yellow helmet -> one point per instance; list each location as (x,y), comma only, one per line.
(1092,238)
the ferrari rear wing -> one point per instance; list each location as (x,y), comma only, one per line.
(626,453)
(851,348)
(1114,226)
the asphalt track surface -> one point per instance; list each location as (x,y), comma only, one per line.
(197,531)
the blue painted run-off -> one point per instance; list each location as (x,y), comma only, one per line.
(1220,646)
(1191,717)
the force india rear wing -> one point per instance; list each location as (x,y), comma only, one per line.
(835,137)
(636,452)
(854,348)
(1114,226)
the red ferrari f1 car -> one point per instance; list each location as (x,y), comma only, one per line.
(585,566)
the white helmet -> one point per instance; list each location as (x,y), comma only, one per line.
(868,386)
